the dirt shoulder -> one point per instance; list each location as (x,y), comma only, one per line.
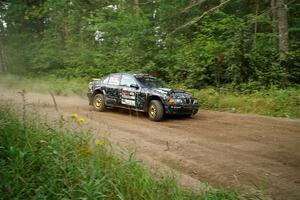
(242,151)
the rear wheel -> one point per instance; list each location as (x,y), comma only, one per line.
(98,102)
(156,111)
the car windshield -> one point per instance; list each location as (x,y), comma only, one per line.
(151,82)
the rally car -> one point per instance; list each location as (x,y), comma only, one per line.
(140,92)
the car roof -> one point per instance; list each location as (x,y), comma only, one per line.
(132,74)
(120,73)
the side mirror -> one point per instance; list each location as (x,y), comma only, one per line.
(134,86)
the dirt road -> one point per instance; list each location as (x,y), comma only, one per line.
(247,152)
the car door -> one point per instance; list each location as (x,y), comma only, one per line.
(128,92)
(112,90)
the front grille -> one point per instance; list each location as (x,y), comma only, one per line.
(188,101)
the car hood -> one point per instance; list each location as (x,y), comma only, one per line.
(174,93)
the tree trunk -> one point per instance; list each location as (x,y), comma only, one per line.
(255,24)
(282,26)
(136,5)
(2,62)
(273,16)
(273,10)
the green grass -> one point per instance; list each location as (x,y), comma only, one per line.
(272,102)
(38,162)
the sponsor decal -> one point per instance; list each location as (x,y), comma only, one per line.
(128,102)
(128,95)
(125,92)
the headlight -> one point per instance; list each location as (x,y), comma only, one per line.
(172,101)
(195,101)
(178,101)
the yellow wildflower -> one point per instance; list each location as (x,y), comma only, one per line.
(81,120)
(74,116)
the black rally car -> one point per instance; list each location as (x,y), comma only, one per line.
(140,92)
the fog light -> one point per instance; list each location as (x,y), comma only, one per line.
(171,101)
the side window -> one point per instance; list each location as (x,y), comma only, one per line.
(114,79)
(127,80)
(105,81)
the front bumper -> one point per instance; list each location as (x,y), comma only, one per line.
(90,96)
(182,109)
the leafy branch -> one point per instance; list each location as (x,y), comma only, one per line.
(192,5)
(195,20)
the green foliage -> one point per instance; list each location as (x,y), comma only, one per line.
(41,163)
(233,44)
(292,65)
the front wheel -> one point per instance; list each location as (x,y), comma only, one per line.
(98,102)
(156,111)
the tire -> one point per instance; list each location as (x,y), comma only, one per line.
(99,103)
(155,111)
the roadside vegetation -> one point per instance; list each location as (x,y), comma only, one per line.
(42,162)
(274,102)
(45,84)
